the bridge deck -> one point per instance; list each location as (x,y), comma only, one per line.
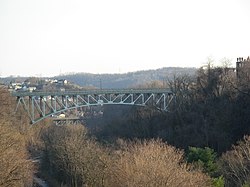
(84,92)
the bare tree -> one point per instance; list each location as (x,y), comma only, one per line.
(16,169)
(235,164)
(183,88)
(153,163)
(74,159)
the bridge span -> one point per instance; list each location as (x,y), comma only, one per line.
(40,105)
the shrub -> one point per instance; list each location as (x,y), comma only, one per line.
(204,158)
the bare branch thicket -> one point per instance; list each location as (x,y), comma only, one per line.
(16,168)
(153,163)
(235,164)
(183,88)
(74,158)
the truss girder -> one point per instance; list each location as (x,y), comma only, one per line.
(40,105)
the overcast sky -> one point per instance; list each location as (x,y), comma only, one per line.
(49,37)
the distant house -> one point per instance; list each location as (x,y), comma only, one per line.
(62,116)
(62,82)
(31,89)
(51,81)
(15,86)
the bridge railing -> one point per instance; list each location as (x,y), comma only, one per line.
(95,91)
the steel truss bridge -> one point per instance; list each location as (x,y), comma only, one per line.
(40,105)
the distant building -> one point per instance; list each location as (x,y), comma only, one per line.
(62,116)
(62,81)
(31,89)
(243,73)
(243,69)
(15,86)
